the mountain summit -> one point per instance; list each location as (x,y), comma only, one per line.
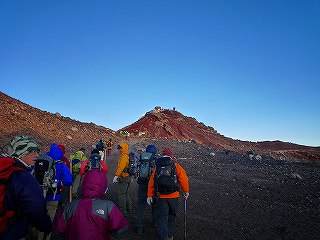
(171,124)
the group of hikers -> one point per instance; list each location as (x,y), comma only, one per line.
(45,193)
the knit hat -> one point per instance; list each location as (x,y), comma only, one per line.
(167,152)
(21,146)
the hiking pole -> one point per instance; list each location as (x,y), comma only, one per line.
(185,218)
(105,155)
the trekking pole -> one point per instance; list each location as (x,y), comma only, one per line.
(185,218)
(105,155)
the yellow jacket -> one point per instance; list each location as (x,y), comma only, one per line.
(123,161)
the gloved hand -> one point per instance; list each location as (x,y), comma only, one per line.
(186,195)
(115,179)
(149,200)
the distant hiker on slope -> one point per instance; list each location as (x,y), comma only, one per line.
(146,167)
(109,146)
(123,179)
(91,218)
(101,147)
(21,193)
(63,176)
(164,184)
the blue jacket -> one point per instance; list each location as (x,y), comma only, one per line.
(25,197)
(63,174)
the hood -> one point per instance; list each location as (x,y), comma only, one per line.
(94,184)
(55,152)
(125,148)
(79,155)
(151,149)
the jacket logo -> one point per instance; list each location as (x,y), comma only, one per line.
(100,211)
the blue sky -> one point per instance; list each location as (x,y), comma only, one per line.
(250,69)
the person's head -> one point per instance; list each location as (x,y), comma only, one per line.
(151,149)
(62,148)
(83,150)
(167,152)
(55,152)
(94,184)
(24,148)
(123,147)
(95,151)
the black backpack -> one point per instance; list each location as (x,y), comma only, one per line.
(45,171)
(165,178)
(146,166)
(133,165)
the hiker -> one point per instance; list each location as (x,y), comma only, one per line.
(146,166)
(62,176)
(91,218)
(77,159)
(109,146)
(164,186)
(123,179)
(65,190)
(64,158)
(101,147)
(23,198)
(92,163)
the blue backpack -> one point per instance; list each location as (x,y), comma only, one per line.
(146,166)
(94,162)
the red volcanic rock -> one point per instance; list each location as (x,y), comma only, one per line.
(171,124)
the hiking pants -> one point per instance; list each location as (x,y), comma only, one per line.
(76,183)
(52,208)
(142,203)
(166,217)
(123,194)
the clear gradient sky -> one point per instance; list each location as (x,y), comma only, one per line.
(250,69)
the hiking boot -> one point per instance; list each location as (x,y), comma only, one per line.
(138,230)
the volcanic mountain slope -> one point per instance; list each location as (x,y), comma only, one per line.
(171,124)
(18,118)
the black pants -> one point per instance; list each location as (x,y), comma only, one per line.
(167,209)
(142,203)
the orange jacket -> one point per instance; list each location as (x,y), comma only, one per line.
(182,180)
(123,161)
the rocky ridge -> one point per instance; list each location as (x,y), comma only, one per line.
(171,124)
(18,118)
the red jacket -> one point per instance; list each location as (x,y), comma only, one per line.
(104,167)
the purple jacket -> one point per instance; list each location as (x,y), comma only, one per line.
(91,217)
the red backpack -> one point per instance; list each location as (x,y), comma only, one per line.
(7,167)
